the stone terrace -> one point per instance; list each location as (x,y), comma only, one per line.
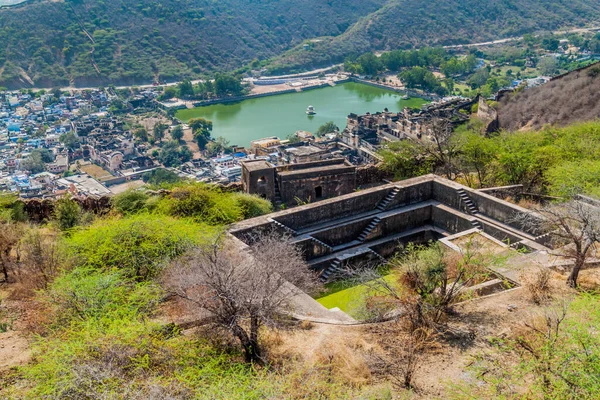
(370,225)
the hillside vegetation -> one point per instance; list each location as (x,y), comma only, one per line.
(563,101)
(47,43)
(85,42)
(407,24)
(558,161)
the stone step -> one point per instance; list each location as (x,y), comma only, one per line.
(328,247)
(284,227)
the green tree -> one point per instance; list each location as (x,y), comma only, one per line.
(173,155)
(327,127)
(67,213)
(177,133)
(70,140)
(36,160)
(185,89)
(141,134)
(370,64)
(218,146)
(201,129)
(228,85)
(159,132)
(160,176)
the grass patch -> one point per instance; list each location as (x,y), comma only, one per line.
(349,297)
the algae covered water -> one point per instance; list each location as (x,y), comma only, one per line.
(284,114)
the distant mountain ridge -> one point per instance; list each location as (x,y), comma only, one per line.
(92,42)
(50,42)
(408,23)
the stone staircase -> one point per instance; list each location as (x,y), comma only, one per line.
(382,206)
(477,225)
(381,259)
(544,239)
(284,228)
(471,207)
(323,244)
(335,267)
(370,228)
(277,200)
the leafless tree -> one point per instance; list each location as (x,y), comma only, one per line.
(240,290)
(442,148)
(10,234)
(573,225)
(430,281)
(41,257)
(543,343)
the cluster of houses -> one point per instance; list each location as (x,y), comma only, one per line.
(72,132)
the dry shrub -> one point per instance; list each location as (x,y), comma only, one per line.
(343,364)
(528,203)
(538,286)
(306,325)
(563,101)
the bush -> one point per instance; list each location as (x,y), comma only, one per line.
(252,206)
(137,245)
(203,204)
(67,213)
(537,285)
(130,202)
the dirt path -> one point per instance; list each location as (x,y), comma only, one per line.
(14,342)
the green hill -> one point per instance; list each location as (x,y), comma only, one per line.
(88,42)
(403,24)
(46,44)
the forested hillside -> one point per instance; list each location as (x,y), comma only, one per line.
(405,24)
(87,42)
(47,43)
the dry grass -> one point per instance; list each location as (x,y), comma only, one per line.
(572,98)
(334,350)
(96,172)
(537,284)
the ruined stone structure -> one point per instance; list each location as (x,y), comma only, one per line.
(371,225)
(368,132)
(489,115)
(308,182)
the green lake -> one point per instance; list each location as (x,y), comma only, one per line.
(284,114)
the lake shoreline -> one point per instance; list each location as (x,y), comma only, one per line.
(281,115)
(411,93)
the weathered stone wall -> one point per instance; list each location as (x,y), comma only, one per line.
(450,221)
(40,210)
(304,186)
(331,209)
(447,195)
(489,115)
(500,234)
(405,221)
(412,194)
(371,175)
(343,233)
(389,249)
(500,210)
(311,249)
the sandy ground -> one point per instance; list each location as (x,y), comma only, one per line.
(149,122)
(14,343)
(393,80)
(188,138)
(261,89)
(352,349)
(116,189)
